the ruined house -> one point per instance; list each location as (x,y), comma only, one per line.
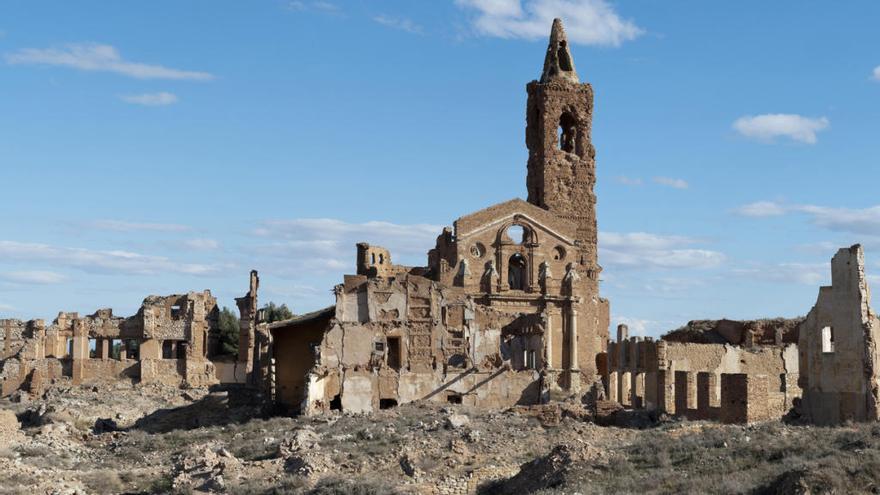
(838,347)
(732,383)
(506,311)
(170,340)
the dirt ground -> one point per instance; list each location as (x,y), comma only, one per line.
(130,439)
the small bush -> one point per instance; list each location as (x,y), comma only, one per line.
(104,481)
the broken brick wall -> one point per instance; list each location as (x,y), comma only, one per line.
(838,346)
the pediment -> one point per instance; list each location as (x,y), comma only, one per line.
(514,210)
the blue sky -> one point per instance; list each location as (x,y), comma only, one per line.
(166,146)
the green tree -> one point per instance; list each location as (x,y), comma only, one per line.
(277,313)
(229,330)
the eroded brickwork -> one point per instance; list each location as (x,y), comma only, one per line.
(686,379)
(170,340)
(838,347)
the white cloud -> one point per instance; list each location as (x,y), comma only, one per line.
(6,307)
(124,226)
(811,274)
(99,58)
(636,326)
(324,232)
(761,209)
(767,127)
(328,245)
(36,277)
(628,181)
(104,262)
(877,73)
(862,221)
(589,22)
(150,99)
(201,244)
(668,181)
(858,221)
(640,249)
(400,23)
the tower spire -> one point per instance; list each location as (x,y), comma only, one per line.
(558,63)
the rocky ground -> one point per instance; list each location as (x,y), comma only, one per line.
(131,439)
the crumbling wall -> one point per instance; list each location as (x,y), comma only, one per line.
(686,379)
(746,333)
(838,346)
(11,337)
(168,341)
(408,338)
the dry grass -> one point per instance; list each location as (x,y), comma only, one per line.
(769,458)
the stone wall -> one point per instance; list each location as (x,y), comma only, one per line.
(170,340)
(838,346)
(687,379)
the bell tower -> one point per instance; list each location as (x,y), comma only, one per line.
(562,165)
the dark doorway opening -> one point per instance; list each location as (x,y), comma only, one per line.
(394,353)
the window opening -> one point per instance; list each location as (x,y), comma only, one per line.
(828,340)
(116,349)
(567,133)
(516,272)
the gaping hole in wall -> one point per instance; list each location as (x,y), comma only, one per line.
(116,349)
(516,233)
(168,349)
(381,258)
(70,347)
(175,312)
(132,349)
(516,272)
(563,57)
(373,258)
(93,349)
(567,132)
(336,403)
(457,361)
(559,253)
(453,398)
(387,403)
(393,354)
(828,340)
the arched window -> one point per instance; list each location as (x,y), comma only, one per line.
(517,234)
(381,258)
(567,132)
(373,258)
(516,272)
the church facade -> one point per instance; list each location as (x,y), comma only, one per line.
(507,310)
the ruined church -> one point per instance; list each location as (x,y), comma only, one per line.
(507,310)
